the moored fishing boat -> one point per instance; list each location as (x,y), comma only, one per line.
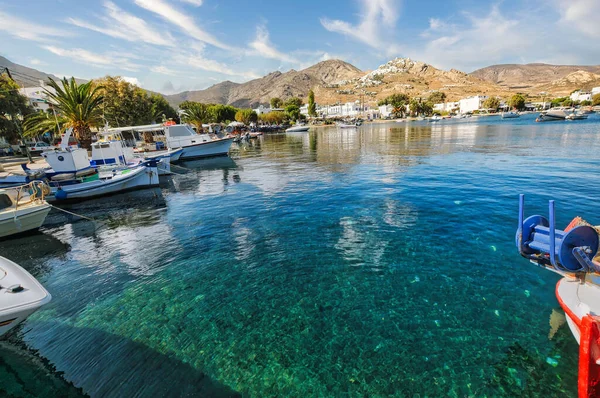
(510,115)
(23,208)
(576,116)
(20,295)
(554,114)
(572,254)
(106,181)
(299,128)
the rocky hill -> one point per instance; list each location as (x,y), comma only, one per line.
(27,77)
(403,75)
(275,84)
(532,78)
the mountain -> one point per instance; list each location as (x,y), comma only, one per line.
(276,84)
(532,78)
(27,77)
(403,75)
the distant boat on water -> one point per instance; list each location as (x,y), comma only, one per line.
(299,128)
(554,114)
(577,116)
(510,115)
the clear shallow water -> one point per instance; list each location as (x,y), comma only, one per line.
(335,263)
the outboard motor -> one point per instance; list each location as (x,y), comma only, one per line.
(572,251)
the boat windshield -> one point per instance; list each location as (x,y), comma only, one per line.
(180,131)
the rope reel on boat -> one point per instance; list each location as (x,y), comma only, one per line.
(572,251)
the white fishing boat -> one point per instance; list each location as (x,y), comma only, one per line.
(195,145)
(106,181)
(20,295)
(23,208)
(576,116)
(299,128)
(510,115)
(435,118)
(554,114)
(347,125)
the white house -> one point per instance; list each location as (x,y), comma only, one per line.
(595,90)
(446,107)
(37,96)
(471,104)
(304,110)
(262,109)
(581,96)
(386,111)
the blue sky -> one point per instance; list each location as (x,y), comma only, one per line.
(175,45)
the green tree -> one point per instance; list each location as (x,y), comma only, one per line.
(275,117)
(124,104)
(596,100)
(79,107)
(276,103)
(312,107)
(293,112)
(437,97)
(492,103)
(398,102)
(161,109)
(196,114)
(222,113)
(293,101)
(246,116)
(13,107)
(585,103)
(427,108)
(517,102)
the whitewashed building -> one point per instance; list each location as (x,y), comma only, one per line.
(595,90)
(37,96)
(471,104)
(581,96)
(446,106)
(262,109)
(386,111)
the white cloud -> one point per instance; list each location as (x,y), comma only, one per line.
(263,47)
(377,18)
(123,25)
(132,80)
(163,70)
(581,15)
(195,3)
(99,60)
(28,30)
(37,62)
(182,20)
(198,61)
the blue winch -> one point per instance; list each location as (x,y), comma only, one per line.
(572,251)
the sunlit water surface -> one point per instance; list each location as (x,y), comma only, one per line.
(364,262)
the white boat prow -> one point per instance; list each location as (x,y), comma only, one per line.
(20,295)
(578,298)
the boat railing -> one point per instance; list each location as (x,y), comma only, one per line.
(36,190)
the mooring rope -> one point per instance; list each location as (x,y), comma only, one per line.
(75,214)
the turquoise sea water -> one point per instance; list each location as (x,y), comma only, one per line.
(372,262)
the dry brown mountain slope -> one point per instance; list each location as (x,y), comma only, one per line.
(529,77)
(275,84)
(403,75)
(573,81)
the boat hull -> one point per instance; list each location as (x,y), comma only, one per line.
(23,220)
(137,178)
(301,129)
(17,306)
(206,149)
(581,302)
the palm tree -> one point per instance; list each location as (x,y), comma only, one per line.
(196,116)
(79,107)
